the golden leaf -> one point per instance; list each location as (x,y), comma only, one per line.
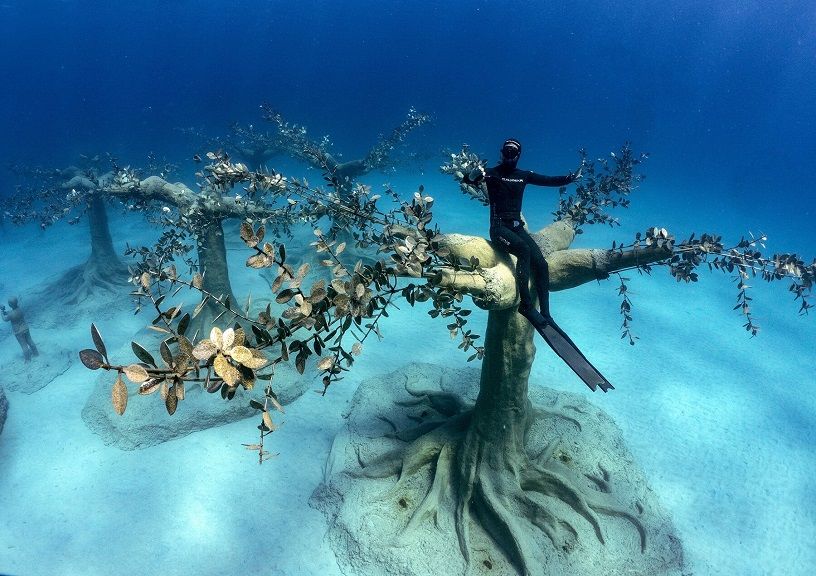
(247,234)
(216,337)
(241,354)
(227,339)
(204,350)
(267,420)
(255,362)
(357,348)
(119,396)
(136,373)
(225,370)
(180,390)
(144,279)
(240,337)
(325,363)
(164,390)
(258,261)
(198,281)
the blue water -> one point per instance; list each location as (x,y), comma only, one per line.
(720,93)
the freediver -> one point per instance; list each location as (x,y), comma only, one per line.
(505,190)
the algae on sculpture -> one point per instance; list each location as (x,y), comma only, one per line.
(472,459)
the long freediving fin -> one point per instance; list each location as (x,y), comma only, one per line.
(569,353)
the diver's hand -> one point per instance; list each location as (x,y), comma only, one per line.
(577,175)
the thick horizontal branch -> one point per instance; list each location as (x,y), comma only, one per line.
(493,286)
(571,268)
(154,188)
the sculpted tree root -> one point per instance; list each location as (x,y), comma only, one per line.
(505,492)
(89,279)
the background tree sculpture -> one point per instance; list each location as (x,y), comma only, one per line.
(469,463)
(48,196)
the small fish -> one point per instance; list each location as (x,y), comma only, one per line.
(197,158)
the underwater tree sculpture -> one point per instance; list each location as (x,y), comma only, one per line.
(202,214)
(51,195)
(295,141)
(471,460)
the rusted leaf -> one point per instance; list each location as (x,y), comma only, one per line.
(171,402)
(119,396)
(136,373)
(204,350)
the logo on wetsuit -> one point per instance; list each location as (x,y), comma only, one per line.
(512,179)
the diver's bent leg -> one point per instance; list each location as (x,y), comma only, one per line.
(541,271)
(515,245)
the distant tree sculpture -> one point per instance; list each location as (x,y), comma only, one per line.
(247,143)
(201,214)
(256,147)
(472,459)
(47,196)
(295,141)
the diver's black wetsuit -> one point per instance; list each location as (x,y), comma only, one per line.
(505,190)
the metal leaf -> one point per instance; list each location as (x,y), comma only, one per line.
(142,354)
(267,420)
(183,324)
(171,402)
(204,350)
(166,355)
(92,359)
(300,362)
(97,339)
(149,387)
(136,373)
(119,396)
(225,370)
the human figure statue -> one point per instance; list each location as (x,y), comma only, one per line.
(20,328)
(505,190)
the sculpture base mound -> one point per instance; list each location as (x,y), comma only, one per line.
(405,520)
